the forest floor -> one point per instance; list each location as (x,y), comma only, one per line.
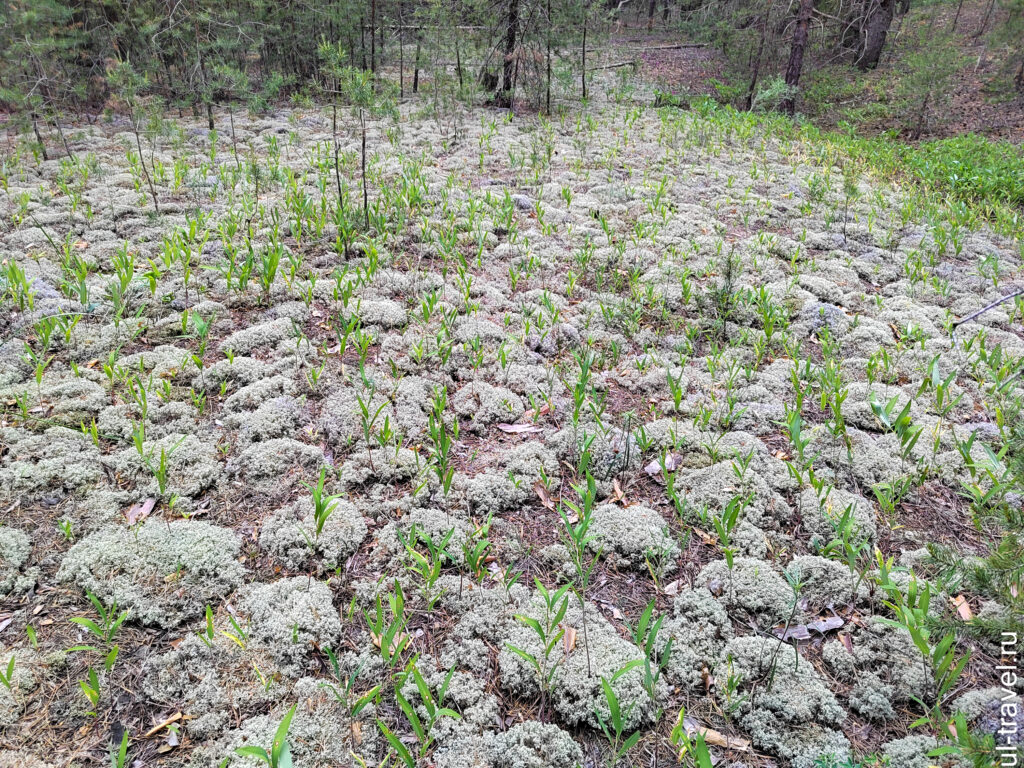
(703,318)
(977,97)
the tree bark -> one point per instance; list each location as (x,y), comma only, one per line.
(796,53)
(373,36)
(508,65)
(760,55)
(876,27)
(416,63)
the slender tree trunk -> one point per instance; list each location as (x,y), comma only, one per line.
(373,36)
(956,18)
(984,21)
(547,41)
(39,138)
(796,54)
(458,61)
(876,28)
(505,96)
(366,197)
(142,159)
(583,62)
(760,55)
(416,63)
(362,38)
(63,139)
(234,141)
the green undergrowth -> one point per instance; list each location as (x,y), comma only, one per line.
(968,180)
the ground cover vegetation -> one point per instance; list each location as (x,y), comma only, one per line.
(379,390)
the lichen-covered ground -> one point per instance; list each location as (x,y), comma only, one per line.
(648,298)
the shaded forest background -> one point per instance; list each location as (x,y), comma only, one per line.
(915,69)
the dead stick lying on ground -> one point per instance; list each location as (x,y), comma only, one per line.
(983,310)
(613,66)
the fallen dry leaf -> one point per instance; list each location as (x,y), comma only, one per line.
(847,642)
(963,608)
(5,623)
(544,410)
(672,462)
(804,631)
(543,495)
(569,639)
(396,643)
(140,511)
(515,429)
(672,587)
(357,732)
(617,493)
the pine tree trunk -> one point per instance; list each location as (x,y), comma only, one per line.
(547,88)
(416,64)
(796,53)
(876,28)
(760,55)
(583,68)
(373,36)
(508,65)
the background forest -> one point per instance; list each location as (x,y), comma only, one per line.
(919,67)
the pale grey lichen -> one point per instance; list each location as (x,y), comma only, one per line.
(14,758)
(536,745)
(277,417)
(886,651)
(577,694)
(341,417)
(291,617)
(384,466)
(994,711)
(58,462)
(15,695)
(496,491)
(751,586)
(238,371)
(466,694)
(162,419)
(382,312)
(822,518)
(783,704)
(290,534)
(253,337)
(637,534)
(822,583)
(321,734)
(428,523)
(480,404)
(209,699)
(15,548)
(612,451)
(274,459)
(70,401)
(715,486)
(872,698)
(699,628)
(252,396)
(190,463)
(162,572)
(912,752)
